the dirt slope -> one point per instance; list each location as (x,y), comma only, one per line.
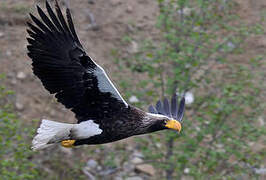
(114,19)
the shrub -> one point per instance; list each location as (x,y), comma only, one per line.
(15,153)
(197,43)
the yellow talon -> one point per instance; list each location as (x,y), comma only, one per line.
(68,143)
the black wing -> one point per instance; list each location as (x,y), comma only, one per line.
(174,112)
(65,70)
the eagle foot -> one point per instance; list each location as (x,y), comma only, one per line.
(68,143)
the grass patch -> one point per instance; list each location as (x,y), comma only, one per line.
(15,156)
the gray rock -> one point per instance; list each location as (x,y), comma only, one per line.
(129,9)
(189,98)
(115,2)
(1,34)
(99,168)
(91,164)
(108,171)
(186,170)
(19,106)
(21,75)
(197,129)
(208,138)
(133,99)
(134,47)
(231,45)
(261,171)
(130,28)
(134,178)
(128,167)
(137,154)
(8,53)
(13,81)
(186,11)
(136,160)
(118,178)
(220,148)
(146,168)
(158,145)
(261,121)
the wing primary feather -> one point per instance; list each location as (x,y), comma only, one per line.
(54,18)
(159,107)
(40,24)
(166,107)
(35,29)
(31,33)
(61,17)
(152,109)
(72,27)
(174,105)
(31,41)
(34,35)
(46,20)
(37,44)
(181,110)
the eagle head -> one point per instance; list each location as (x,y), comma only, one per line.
(166,115)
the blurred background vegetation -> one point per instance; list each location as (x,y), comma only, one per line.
(212,50)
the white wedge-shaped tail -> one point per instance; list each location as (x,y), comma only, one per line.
(51,132)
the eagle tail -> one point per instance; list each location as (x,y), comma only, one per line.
(51,132)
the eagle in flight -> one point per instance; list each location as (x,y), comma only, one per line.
(81,85)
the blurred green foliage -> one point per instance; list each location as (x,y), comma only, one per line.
(195,51)
(17,160)
(15,153)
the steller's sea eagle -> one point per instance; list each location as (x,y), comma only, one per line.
(82,86)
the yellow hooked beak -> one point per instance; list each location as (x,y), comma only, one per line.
(173,124)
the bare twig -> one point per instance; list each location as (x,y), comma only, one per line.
(162,80)
(93,25)
(88,174)
(169,149)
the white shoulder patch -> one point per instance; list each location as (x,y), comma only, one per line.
(86,129)
(105,84)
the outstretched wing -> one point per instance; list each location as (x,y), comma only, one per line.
(65,70)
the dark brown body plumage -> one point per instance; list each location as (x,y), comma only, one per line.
(127,123)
